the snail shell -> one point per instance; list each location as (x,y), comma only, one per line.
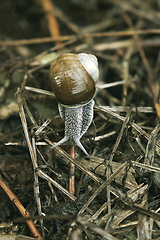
(73,78)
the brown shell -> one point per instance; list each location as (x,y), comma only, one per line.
(70,82)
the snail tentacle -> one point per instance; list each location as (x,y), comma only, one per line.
(79,144)
(63,140)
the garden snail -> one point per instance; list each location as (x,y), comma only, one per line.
(73,79)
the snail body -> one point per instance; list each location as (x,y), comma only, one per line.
(73,79)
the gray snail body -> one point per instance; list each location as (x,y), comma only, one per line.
(73,79)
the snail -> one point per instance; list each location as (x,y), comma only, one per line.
(73,79)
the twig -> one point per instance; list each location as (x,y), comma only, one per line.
(102,187)
(112,156)
(37,190)
(127,7)
(146,64)
(71,187)
(22,210)
(69,37)
(74,161)
(35,165)
(52,22)
(134,125)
